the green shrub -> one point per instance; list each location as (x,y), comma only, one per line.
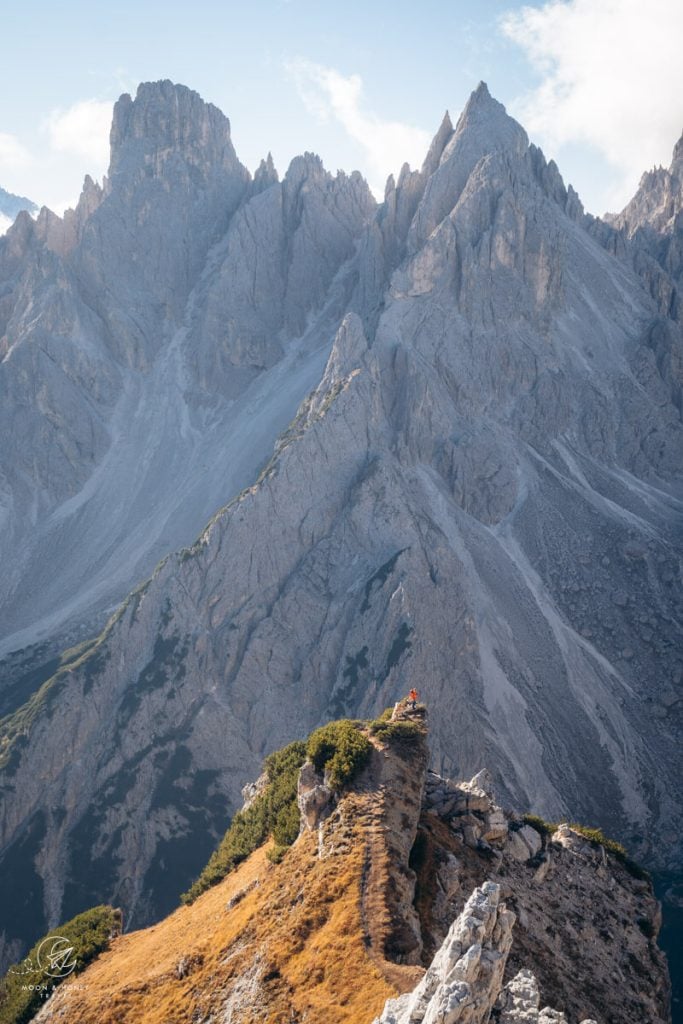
(276,854)
(388,732)
(339,749)
(273,812)
(598,838)
(22,994)
(286,826)
(546,828)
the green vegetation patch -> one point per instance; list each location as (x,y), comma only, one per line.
(595,836)
(340,750)
(274,811)
(395,732)
(545,828)
(26,985)
(598,838)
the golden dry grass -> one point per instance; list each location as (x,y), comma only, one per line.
(300,934)
(305,943)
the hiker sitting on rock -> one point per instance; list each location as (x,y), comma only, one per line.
(412,698)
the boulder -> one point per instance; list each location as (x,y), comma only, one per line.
(314,798)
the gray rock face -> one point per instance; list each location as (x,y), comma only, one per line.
(154,342)
(649,231)
(464,983)
(653,220)
(481,495)
(273,268)
(315,799)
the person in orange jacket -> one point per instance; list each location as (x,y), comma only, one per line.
(412,697)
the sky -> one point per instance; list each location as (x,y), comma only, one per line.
(598,84)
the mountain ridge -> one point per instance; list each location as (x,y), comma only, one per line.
(397,883)
(480,492)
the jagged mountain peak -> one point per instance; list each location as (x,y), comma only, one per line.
(306,165)
(486,125)
(265,174)
(653,221)
(165,120)
(493,398)
(677,158)
(443,135)
(484,128)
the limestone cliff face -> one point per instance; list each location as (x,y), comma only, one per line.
(392,906)
(653,219)
(649,233)
(153,344)
(480,495)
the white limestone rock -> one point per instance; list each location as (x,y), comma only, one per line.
(524,843)
(465,976)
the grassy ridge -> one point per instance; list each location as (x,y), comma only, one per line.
(340,749)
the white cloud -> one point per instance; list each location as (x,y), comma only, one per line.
(329,95)
(83,130)
(13,155)
(612,77)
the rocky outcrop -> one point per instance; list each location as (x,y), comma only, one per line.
(466,975)
(585,937)
(347,927)
(480,495)
(519,1003)
(314,798)
(652,226)
(464,982)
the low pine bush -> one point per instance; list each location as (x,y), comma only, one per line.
(546,828)
(26,985)
(273,812)
(340,750)
(389,732)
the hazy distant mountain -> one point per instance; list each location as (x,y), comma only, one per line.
(10,206)
(479,492)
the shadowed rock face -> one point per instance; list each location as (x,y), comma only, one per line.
(480,496)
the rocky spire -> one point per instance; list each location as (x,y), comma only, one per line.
(485,125)
(466,975)
(266,175)
(438,145)
(167,120)
(677,159)
(483,128)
